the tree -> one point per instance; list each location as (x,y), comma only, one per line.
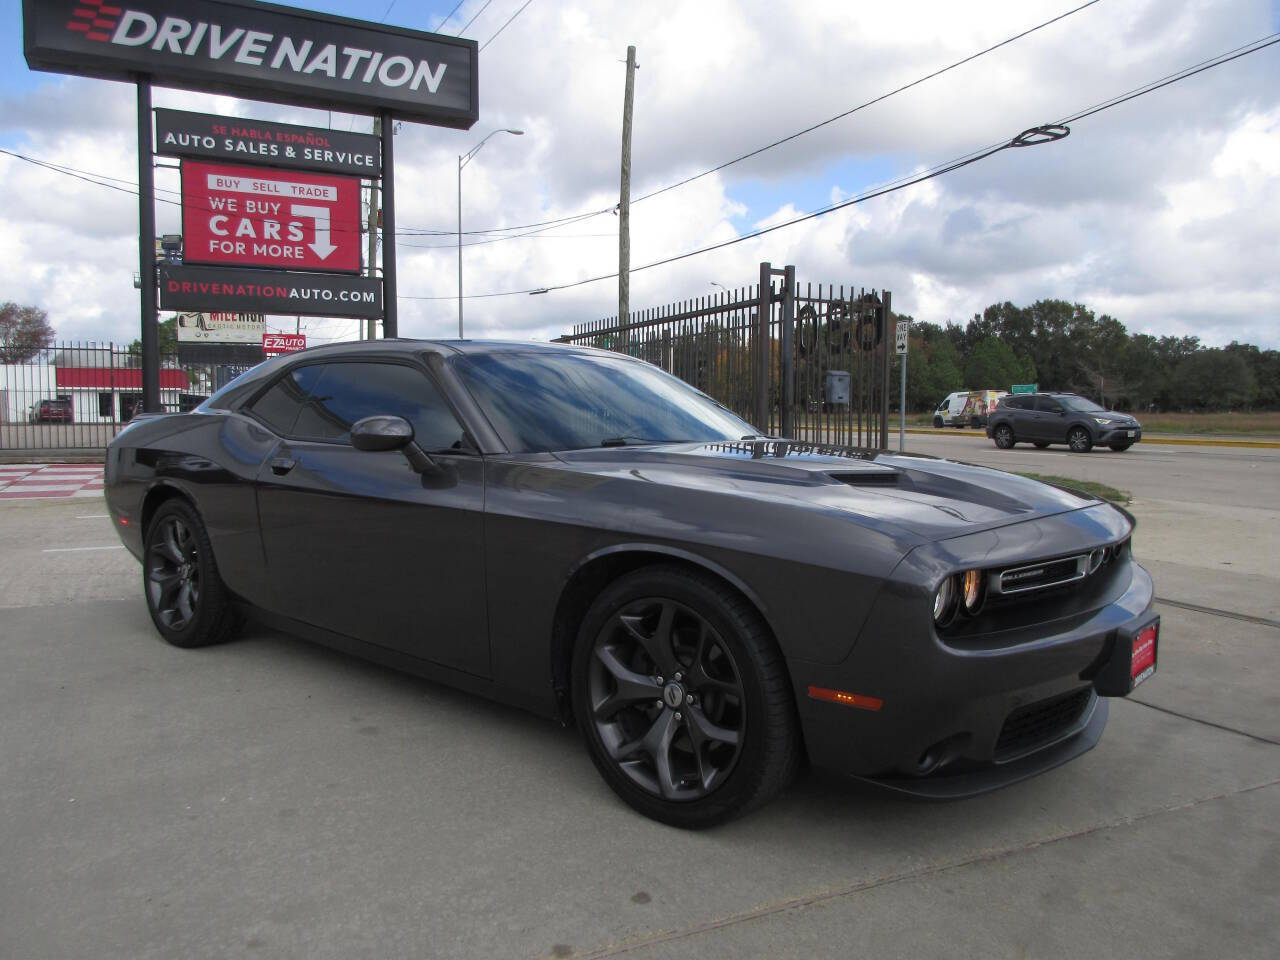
(24,332)
(992,364)
(1214,379)
(168,335)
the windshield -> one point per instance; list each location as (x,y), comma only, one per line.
(1081,404)
(540,402)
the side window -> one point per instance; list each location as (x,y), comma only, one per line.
(347,392)
(278,407)
(1048,405)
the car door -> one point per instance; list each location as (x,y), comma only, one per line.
(1019,413)
(1049,423)
(358,542)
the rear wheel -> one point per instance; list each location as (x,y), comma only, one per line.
(1003,436)
(1079,440)
(683,698)
(1041,444)
(186,598)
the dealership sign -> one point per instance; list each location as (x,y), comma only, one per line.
(206,137)
(220,327)
(229,290)
(259,51)
(251,216)
(273,343)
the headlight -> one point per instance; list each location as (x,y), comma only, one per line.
(1103,420)
(971,584)
(944,601)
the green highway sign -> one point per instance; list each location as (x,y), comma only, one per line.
(1025,388)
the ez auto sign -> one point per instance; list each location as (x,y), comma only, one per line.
(256,216)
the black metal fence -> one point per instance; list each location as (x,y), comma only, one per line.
(77,396)
(808,362)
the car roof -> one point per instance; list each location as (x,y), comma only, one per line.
(414,345)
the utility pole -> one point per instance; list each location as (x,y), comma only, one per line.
(624,202)
(372,332)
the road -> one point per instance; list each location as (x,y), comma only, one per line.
(271,798)
(1157,471)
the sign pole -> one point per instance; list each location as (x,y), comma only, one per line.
(902,407)
(147,253)
(390,319)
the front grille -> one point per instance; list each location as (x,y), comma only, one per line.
(1039,723)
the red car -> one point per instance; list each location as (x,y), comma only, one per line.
(51,411)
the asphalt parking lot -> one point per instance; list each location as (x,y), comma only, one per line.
(271,798)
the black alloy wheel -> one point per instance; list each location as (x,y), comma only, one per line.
(186,598)
(1003,436)
(1079,440)
(683,698)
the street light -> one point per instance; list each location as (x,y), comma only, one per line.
(462,162)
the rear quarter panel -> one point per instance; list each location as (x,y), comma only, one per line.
(212,459)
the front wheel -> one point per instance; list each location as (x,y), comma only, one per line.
(1003,436)
(937,423)
(1079,440)
(683,698)
(186,598)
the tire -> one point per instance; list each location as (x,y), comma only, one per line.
(937,423)
(1079,440)
(1003,436)
(1040,444)
(710,645)
(1121,447)
(188,602)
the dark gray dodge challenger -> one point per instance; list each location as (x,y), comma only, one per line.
(583,535)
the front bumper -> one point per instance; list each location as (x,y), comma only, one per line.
(1120,434)
(947,718)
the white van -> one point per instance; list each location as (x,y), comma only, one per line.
(967,408)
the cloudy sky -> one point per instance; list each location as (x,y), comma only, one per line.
(1162,212)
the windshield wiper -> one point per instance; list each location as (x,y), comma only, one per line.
(627,440)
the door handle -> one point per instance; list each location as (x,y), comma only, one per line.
(282,465)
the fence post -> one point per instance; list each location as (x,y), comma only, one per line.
(763,307)
(788,353)
(887,310)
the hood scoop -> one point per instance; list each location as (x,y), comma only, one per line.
(868,478)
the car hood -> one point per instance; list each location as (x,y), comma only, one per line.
(928,497)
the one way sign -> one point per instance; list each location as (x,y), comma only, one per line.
(255,216)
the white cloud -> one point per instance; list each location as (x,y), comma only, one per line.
(1160,212)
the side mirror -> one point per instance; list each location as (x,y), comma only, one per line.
(381,433)
(391,433)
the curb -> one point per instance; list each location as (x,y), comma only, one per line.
(1147,438)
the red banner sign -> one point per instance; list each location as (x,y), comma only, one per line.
(258,216)
(273,343)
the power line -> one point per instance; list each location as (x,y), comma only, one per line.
(521,236)
(862,106)
(473,19)
(508,23)
(449,16)
(1031,137)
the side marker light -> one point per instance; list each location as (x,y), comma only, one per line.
(848,699)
